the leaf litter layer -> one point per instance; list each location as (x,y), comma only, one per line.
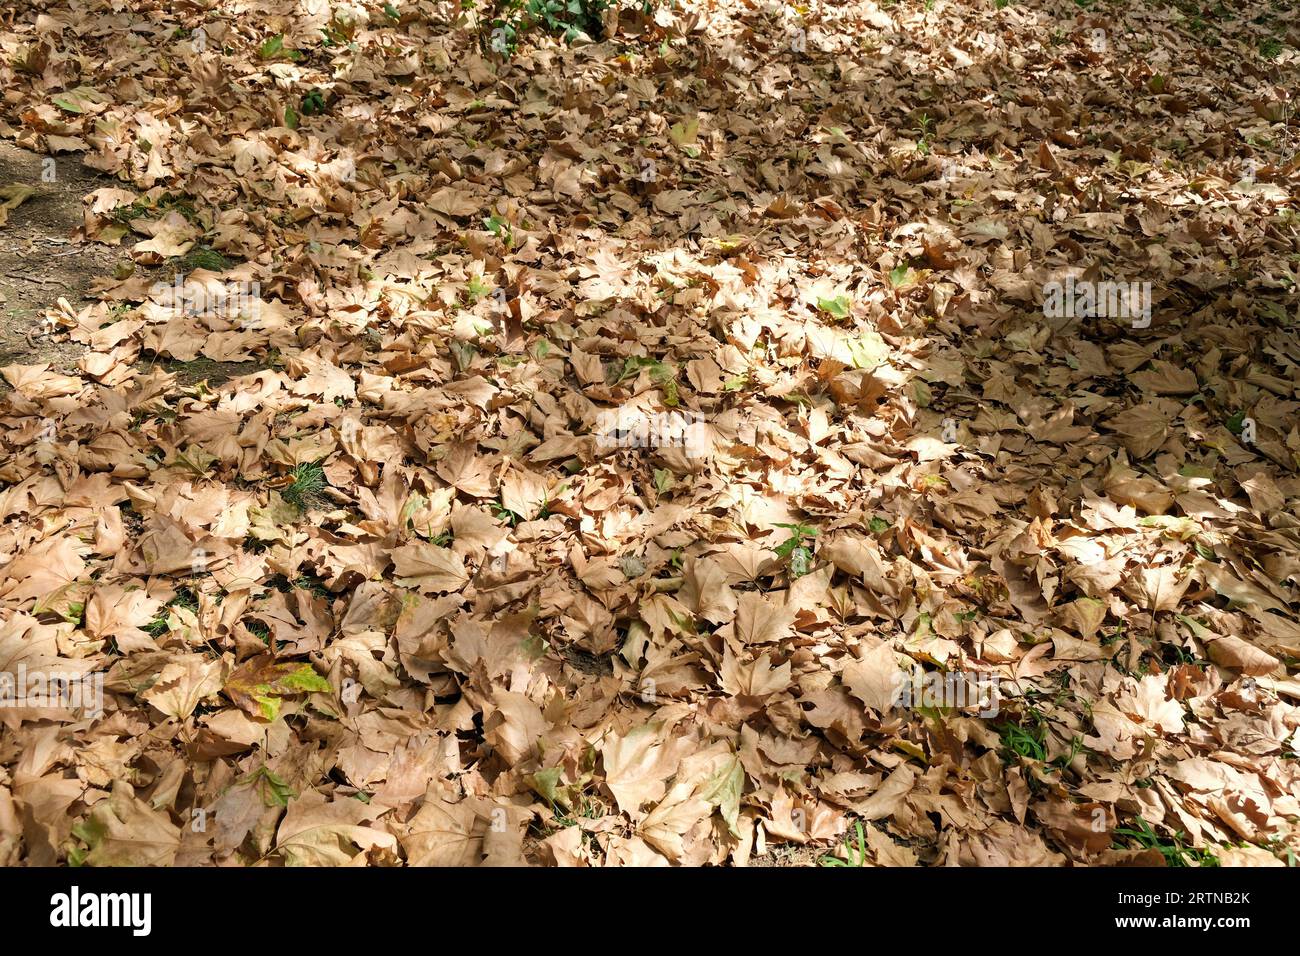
(391,594)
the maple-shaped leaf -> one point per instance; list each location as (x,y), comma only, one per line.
(429,568)
(183,683)
(638,764)
(320,832)
(126,831)
(685,132)
(876,679)
(1157,589)
(760,621)
(259,684)
(724,790)
(444,833)
(524,493)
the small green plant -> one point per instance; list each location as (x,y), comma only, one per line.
(1270,48)
(1284,852)
(207,258)
(259,630)
(475,289)
(508,23)
(1175,852)
(304,491)
(185,598)
(793,549)
(1076,747)
(500,511)
(313,103)
(585,809)
(500,228)
(858,859)
(1025,739)
(925,130)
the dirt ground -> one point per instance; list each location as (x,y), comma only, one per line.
(39,261)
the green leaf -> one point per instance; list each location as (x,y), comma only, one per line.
(258,685)
(69,104)
(547,784)
(868,351)
(290,117)
(838,307)
(1181,528)
(684,133)
(275,792)
(270,707)
(272,48)
(793,548)
(305,680)
(313,103)
(798,529)
(724,790)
